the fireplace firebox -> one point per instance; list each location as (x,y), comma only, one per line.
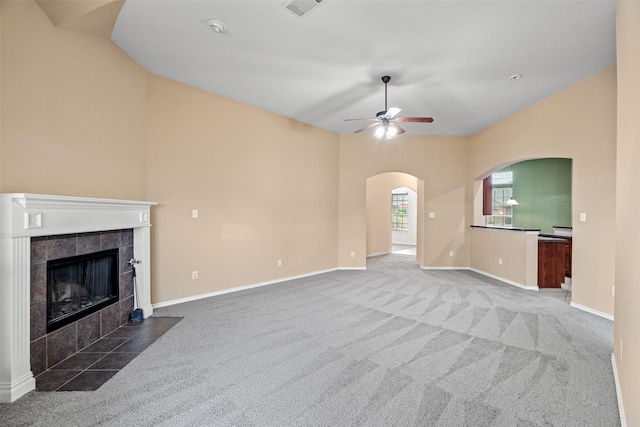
(80,285)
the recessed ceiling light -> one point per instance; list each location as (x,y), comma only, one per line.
(217,26)
(515,77)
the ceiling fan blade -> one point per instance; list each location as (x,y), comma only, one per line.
(415,119)
(397,127)
(372,125)
(351,120)
(392,112)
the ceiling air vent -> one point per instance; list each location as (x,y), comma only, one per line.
(301,8)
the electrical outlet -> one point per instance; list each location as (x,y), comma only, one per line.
(450,253)
(194,275)
(353,254)
(500,261)
(194,213)
(613,291)
(279,263)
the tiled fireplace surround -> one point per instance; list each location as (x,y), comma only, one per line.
(49,349)
(35,228)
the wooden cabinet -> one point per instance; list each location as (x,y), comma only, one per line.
(568,245)
(567,250)
(552,261)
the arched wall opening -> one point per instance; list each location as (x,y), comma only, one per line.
(542,188)
(379,190)
(542,216)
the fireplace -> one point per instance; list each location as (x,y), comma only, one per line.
(80,285)
(27,224)
(73,297)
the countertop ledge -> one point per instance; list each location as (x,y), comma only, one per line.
(505,228)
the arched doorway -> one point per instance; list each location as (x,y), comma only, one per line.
(392,211)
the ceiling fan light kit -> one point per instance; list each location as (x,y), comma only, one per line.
(386,121)
(386,132)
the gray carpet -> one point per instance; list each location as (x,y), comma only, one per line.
(390,346)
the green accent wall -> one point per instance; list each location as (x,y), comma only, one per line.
(543,190)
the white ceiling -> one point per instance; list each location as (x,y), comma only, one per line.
(450,60)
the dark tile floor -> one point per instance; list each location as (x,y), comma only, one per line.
(94,365)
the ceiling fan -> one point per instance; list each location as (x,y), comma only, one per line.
(387,120)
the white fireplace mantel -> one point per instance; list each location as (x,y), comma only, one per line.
(23,216)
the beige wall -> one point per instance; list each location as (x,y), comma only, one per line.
(82,118)
(627,320)
(440,162)
(265,188)
(73,111)
(577,123)
(93,16)
(378,208)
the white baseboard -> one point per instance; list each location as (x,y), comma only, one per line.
(510,282)
(591,310)
(351,268)
(14,390)
(242,288)
(444,268)
(623,420)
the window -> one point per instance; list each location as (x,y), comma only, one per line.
(500,179)
(502,214)
(399,204)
